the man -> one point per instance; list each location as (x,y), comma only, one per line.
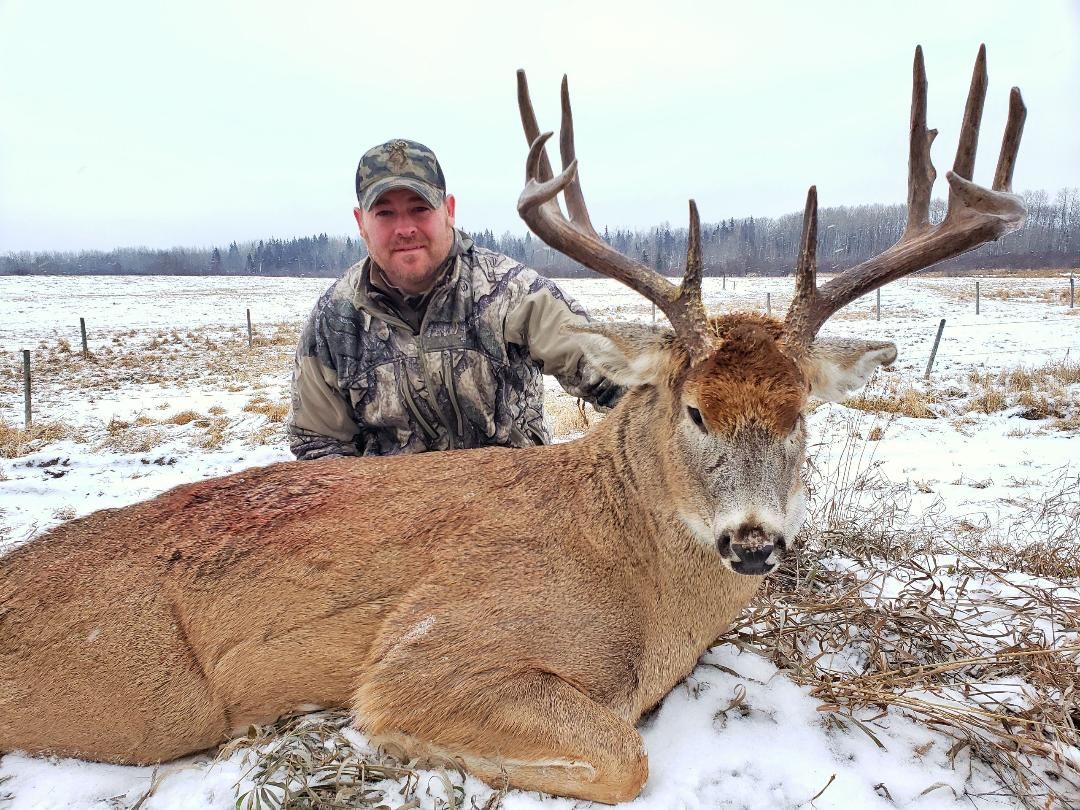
(431,343)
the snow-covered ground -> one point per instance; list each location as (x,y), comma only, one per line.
(172,393)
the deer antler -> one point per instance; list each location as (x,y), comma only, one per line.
(575,237)
(975,214)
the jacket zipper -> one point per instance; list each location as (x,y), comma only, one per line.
(432,399)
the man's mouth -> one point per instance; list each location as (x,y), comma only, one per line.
(408,248)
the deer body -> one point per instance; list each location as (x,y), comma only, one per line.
(144,633)
(516,610)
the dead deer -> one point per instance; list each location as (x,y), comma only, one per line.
(516,610)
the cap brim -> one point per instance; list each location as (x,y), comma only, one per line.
(431,195)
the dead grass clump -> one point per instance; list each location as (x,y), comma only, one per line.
(940,643)
(283,335)
(131,439)
(988,402)
(906,402)
(273,411)
(16,442)
(183,418)
(312,762)
(266,435)
(1068,424)
(569,416)
(214,437)
(1037,406)
(215,410)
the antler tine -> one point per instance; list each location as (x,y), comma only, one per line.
(577,239)
(692,319)
(975,214)
(1010,142)
(921,172)
(575,200)
(964,164)
(805,271)
(530,125)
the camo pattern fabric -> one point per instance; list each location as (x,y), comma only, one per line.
(399,164)
(366,383)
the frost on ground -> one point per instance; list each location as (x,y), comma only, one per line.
(920,650)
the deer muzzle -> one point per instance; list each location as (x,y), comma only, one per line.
(751,549)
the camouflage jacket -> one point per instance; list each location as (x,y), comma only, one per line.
(367,383)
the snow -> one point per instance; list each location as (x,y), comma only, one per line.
(738,732)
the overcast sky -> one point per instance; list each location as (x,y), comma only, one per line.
(131,122)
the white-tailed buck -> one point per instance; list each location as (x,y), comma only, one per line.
(517,610)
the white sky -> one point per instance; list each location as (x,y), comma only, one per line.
(127,122)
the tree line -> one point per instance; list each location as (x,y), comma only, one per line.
(847,235)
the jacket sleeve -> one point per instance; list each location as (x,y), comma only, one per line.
(540,318)
(321,420)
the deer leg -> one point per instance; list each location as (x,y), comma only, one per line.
(534,732)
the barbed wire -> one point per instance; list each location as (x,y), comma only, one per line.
(1011,323)
(1064,350)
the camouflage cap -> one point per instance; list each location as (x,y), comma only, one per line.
(399,164)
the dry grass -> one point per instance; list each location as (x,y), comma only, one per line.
(569,416)
(121,437)
(313,762)
(183,418)
(16,442)
(1042,392)
(214,436)
(935,624)
(940,647)
(989,401)
(274,412)
(896,398)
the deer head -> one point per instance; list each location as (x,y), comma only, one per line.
(730,390)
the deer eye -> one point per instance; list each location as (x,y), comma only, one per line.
(695,416)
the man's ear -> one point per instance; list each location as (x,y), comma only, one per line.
(836,367)
(358,214)
(451,204)
(628,354)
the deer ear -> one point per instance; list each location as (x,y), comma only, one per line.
(628,354)
(836,367)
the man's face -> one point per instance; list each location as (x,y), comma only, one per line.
(408,238)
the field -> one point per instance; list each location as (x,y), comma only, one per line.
(921,650)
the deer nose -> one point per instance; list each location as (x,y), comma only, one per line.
(749,548)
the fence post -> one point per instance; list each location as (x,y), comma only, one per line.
(976,298)
(654,314)
(82,328)
(768,303)
(933,351)
(725,280)
(879,303)
(26,385)
(1072,291)
(249,327)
